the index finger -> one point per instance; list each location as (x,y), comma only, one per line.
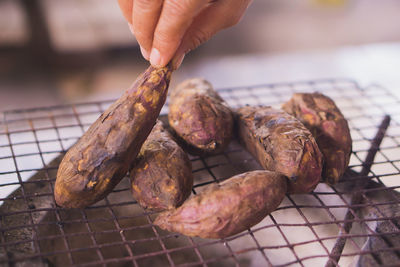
(145,14)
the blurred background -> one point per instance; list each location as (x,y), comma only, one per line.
(58,51)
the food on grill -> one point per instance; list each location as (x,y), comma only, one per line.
(225,209)
(330,129)
(200,117)
(162,174)
(281,143)
(99,160)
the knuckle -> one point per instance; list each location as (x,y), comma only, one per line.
(145,5)
(179,7)
(176,7)
(163,38)
(199,37)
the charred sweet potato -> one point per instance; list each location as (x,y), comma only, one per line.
(228,208)
(281,143)
(200,117)
(94,165)
(325,121)
(162,174)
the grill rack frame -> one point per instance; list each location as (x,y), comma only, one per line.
(20,122)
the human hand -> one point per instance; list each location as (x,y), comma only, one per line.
(168,29)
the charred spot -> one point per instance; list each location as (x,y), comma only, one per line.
(271,123)
(309,100)
(168,182)
(331,180)
(330,116)
(105,116)
(257,120)
(293,178)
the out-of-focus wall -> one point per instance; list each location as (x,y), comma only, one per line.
(94,53)
(269,25)
(284,25)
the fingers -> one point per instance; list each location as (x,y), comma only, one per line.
(168,29)
(126,8)
(145,15)
(176,17)
(220,15)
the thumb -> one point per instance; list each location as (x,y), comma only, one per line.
(190,41)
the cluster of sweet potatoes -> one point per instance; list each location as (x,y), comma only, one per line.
(296,146)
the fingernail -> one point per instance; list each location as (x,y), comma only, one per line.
(178,61)
(145,54)
(155,57)
(130,27)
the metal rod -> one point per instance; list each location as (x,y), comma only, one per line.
(357,196)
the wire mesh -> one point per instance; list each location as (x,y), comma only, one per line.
(305,230)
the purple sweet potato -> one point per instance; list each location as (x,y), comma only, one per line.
(228,208)
(281,143)
(200,117)
(329,127)
(162,174)
(94,165)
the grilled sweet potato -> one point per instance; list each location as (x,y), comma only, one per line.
(329,127)
(228,208)
(162,174)
(200,117)
(281,143)
(99,160)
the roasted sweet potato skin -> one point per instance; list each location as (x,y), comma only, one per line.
(323,118)
(228,208)
(94,165)
(200,117)
(162,174)
(281,143)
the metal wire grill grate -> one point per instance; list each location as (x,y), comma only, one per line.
(356,221)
